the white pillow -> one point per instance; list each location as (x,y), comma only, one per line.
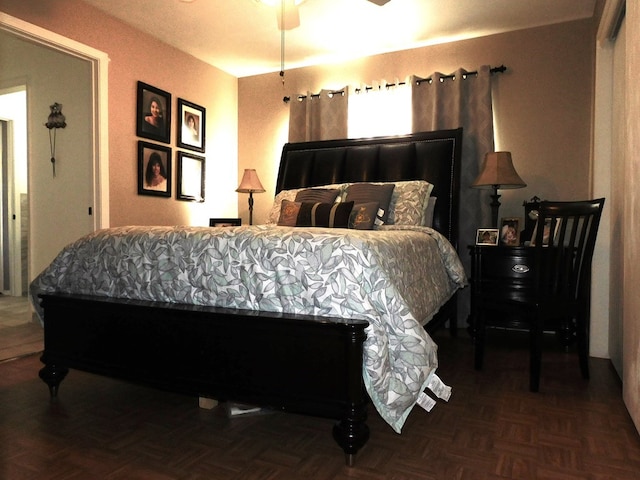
(409,202)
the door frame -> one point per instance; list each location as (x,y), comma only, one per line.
(99,62)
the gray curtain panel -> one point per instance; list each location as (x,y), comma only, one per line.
(464,101)
(318,117)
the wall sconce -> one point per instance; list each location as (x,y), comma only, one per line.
(55,120)
(497,172)
(250,184)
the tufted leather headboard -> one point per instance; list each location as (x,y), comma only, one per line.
(432,156)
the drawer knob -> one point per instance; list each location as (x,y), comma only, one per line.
(518,268)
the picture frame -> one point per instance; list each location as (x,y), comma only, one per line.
(550,231)
(510,231)
(156,182)
(191,122)
(153,113)
(190,177)
(225,222)
(488,236)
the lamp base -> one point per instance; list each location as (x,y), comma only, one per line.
(495,206)
(250,208)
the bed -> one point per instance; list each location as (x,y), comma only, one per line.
(303,318)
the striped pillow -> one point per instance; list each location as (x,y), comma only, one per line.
(332,215)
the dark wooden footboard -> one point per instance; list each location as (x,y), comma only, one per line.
(303,364)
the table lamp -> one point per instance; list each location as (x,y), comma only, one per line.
(497,172)
(250,184)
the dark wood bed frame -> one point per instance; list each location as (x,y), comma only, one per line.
(295,363)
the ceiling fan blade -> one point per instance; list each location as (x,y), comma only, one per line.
(379,2)
(288,15)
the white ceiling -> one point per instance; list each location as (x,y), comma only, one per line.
(242,38)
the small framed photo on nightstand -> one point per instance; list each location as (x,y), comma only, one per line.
(225,222)
(488,236)
(510,231)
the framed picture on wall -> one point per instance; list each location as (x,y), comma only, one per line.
(191,123)
(153,117)
(190,177)
(154,169)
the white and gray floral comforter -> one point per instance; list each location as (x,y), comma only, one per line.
(396,278)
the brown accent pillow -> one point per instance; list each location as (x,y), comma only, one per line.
(289,213)
(370,192)
(333,215)
(363,215)
(317,195)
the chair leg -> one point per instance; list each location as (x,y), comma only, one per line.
(535,360)
(582,337)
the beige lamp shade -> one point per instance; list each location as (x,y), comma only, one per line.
(250,182)
(498,172)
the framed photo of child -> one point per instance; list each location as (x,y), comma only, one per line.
(510,231)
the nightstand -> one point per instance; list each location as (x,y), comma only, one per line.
(503,273)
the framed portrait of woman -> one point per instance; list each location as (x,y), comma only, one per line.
(153,115)
(154,169)
(191,122)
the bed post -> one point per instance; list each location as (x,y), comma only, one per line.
(351,432)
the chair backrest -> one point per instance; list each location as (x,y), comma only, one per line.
(564,248)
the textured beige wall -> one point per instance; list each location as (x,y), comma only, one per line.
(542,105)
(135,56)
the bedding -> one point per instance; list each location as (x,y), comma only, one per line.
(396,278)
(405,202)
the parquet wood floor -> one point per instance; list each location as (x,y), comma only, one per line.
(492,428)
(20,333)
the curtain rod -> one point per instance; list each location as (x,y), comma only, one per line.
(499,69)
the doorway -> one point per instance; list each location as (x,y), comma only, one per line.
(14,223)
(44,52)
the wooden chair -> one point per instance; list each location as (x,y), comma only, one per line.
(559,298)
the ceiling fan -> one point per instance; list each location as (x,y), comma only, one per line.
(288,15)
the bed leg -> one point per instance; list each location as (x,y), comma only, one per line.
(352,433)
(52,375)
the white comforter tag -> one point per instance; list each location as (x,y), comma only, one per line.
(425,401)
(438,387)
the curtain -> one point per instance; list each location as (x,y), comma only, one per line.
(318,117)
(462,101)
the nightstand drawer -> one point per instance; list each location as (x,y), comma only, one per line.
(504,272)
(500,266)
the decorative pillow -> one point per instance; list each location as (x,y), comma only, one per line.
(409,202)
(363,215)
(371,192)
(274,213)
(333,215)
(317,195)
(289,213)
(427,221)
